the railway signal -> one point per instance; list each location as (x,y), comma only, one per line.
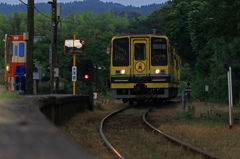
(86,71)
(74,73)
(74,47)
(86,76)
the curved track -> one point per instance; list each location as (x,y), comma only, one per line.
(178,141)
(166,135)
(103,136)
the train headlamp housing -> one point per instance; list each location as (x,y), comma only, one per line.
(123,72)
(120,72)
(157,71)
(160,71)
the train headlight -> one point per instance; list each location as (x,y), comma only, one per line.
(120,72)
(157,71)
(160,71)
(123,72)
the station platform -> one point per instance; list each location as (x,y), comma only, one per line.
(25,133)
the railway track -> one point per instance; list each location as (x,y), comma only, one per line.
(103,136)
(207,154)
(188,146)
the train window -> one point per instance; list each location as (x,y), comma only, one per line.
(121,52)
(159,52)
(21,49)
(140,51)
(16,51)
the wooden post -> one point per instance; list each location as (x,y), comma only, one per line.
(54,43)
(29,58)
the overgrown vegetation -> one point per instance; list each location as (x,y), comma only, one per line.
(190,112)
(206,119)
(205,33)
(8,96)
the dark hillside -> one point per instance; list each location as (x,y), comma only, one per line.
(95,6)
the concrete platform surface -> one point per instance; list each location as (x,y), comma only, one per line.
(25,133)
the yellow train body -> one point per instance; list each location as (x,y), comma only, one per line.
(143,66)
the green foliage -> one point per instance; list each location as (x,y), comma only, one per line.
(9,96)
(190,112)
(204,36)
(98,105)
(43,88)
(2,70)
(108,95)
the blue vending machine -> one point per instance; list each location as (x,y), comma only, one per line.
(20,78)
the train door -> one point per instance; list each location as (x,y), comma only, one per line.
(140,59)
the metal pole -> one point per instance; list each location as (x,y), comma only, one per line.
(183,101)
(230,98)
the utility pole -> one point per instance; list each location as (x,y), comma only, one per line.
(54,42)
(57,58)
(29,60)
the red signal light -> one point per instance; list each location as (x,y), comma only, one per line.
(86,76)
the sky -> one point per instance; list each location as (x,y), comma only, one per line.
(136,3)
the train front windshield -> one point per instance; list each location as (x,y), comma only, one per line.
(159,52)
(121,52)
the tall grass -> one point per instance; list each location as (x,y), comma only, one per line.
(9,96)
(108,95)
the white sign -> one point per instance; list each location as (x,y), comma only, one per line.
(56,72)
(74,73)
(206,88)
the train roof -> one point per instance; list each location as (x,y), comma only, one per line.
(140,35)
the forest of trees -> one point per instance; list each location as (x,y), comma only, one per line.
(95,6)
(204,32)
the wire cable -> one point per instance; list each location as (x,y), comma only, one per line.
(35,9)
(23,2)
(42,13)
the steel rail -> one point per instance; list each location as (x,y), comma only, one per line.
(179,141)
(103,136)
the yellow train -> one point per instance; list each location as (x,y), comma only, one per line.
(143,67)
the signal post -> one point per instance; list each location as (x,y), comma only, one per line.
(74,47)
(227,66)
(74,65)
